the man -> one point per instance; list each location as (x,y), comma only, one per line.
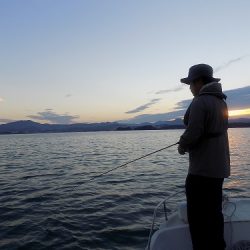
(206,141)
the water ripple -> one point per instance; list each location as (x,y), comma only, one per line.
(46,201)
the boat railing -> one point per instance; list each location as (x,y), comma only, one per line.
(227,200)
(165,209)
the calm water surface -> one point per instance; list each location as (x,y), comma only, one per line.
(45,202)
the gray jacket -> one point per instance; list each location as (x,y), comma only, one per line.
(205,137)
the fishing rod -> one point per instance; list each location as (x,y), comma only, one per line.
(125,164)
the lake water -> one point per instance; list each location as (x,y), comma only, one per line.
(47,203)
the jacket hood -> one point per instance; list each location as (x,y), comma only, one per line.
(213,88)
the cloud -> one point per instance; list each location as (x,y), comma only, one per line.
(1,99)
(68,95)
(50,116)
(155,117)
(144,106)
(183,104)
(219,68)
(236,99)
(227,64)
(169,90)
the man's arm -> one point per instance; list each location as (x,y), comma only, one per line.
(196,126)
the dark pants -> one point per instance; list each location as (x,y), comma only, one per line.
(204,209)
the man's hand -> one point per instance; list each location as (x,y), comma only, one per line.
(181,150)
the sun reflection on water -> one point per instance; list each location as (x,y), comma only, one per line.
(238,183)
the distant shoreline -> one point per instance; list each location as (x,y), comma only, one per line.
(112,128)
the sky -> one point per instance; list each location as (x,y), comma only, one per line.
(110,60)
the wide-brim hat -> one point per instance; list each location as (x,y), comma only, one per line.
(199,70)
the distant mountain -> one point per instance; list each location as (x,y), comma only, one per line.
(22,126)
(239,120)
(28,127)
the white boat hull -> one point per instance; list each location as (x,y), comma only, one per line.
(178,238)
(174,234)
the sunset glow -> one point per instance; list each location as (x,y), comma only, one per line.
(108,61)
(239,112)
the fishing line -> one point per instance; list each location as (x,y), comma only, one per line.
(125,164)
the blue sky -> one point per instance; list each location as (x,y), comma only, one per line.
(107,60)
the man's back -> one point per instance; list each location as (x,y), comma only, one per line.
(206,134)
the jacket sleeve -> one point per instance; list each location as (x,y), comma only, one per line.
(196,125)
